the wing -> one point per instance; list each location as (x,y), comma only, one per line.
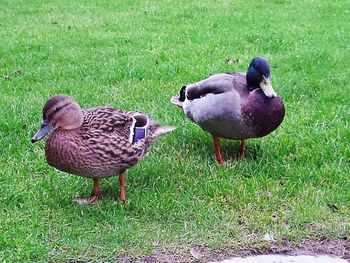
(108,120)
(110,131)
(216,84)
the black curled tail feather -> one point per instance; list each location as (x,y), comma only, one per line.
(182,96)
(178,100)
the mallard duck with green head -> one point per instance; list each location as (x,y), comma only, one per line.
(234,105)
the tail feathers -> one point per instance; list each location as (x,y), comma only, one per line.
(155,131)
(161,130)
(183,93)
(176,100)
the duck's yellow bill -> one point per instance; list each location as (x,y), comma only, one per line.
(266,87)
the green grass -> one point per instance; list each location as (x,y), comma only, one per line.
(136,55)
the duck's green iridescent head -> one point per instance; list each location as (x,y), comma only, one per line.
(60,111)
(258,76)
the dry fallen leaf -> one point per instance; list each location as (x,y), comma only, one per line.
(269,238)
(195,253)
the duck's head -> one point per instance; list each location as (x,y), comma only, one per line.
(60,111)
(258,76)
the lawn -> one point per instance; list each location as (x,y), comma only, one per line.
(293,183)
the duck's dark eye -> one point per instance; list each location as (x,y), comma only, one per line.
(58,109)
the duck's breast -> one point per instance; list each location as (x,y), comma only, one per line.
(67,152)
(262,113)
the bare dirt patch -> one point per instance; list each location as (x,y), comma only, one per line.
(338,248)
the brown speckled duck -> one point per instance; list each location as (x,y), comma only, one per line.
(95,143)
(235,105)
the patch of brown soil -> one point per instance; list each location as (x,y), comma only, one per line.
(339,248)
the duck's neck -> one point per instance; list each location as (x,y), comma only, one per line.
(252,78)
(74,122)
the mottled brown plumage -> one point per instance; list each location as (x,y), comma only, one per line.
(94,143)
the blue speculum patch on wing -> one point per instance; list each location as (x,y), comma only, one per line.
(139,134)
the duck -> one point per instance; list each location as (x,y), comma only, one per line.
(95,143)
(234,105)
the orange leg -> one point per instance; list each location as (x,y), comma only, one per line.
(243,144)
(96,191)
(122,187)
(217,150)
(95,195)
